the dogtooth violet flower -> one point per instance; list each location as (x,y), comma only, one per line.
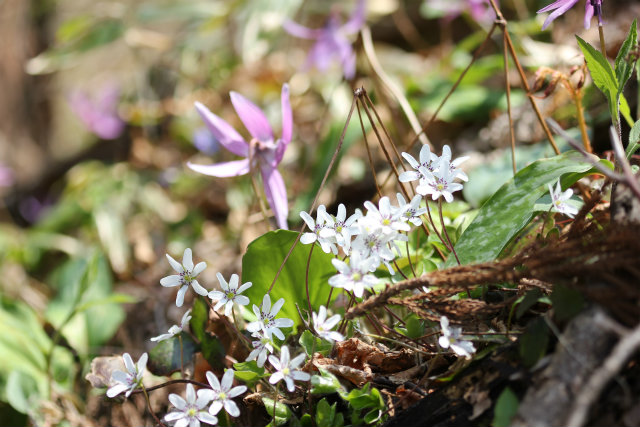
(230,293)
(261,348)
(285,368)
(222,393)
(191,412)
(332,41)
(263,151)
(326,243)
(323,326)
(559,7)
(480,10)
(559,200)
(451,339)
(175,329)
(99,113)
(129,380)
(186,276)
(266,318)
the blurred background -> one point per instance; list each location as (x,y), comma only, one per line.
(97,122)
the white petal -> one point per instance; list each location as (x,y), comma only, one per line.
(216,296)
(244,287)
(208,418)
(180,296)
(199,289)
(116,390)
(275,377)
(237,391)
(227,380)
(187,259)
(308,238)
(213,381)
(300,376)
(177,401)
(215,407)
(198,268)
(128,363)
(241,300)
(169,281)
(231,408)
(175,264)
(191,394)
(175,415)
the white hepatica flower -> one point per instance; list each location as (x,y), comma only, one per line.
(428,161)
(175,329)
(266,318)
(316,227)
(355,276)
(341,228)
(186,276)
(190,412)
(261,348)
(285,368)
(451,339)
(453,165)
(222,392)
(439,183)
(386,217)
(230,293)
(412,210)
(129,380)
(559,200)
(323,326)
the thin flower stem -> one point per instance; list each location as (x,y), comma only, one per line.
(306,278)
(507,86)
(577,97)
(603,48)
(413,271)
(263,208)
(329,298)
(366,144)
(444,230)
(153,414)
(435,229)
(400,270)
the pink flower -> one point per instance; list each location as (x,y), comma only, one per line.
(332,40)
(559,7)
(265,151)
(99,113)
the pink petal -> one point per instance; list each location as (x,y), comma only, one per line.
(222,170)
(287,123)
(356,21)
(223,132)
(298,30)
(253,118)
(276,193)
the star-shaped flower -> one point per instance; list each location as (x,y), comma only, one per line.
(559,200)
(175,329)
(439,183)
(267,321)
(264,150)
(451,339)
(285,369)
(186,276)
(559,7)
(191,412)
(223,392)
(326,240)
(262,347)
(323,326)
(129,380)
(354,276)
(230,293)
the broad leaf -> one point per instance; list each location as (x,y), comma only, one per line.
(511,207)
(313,344)
(262,261)
(625,60)
(506,408)
(602,74)
(165,357)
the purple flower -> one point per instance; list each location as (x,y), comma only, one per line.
(99,114)
(204,141)
(265,151)
(559,7)
(480,10)
(332,40)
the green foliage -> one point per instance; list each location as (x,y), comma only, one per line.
(567,302)
(249,372)
(326,415)
(505,409)
(367,400)
(534,342)
(634,140)
(511,207)
(211,347)
(311,344)
(326,383)
(262,261)
(165,357)
(282,411)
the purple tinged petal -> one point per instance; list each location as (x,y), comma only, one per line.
(228,137)
(208,418)
(231,408)
(287,123)
(191,394)
(116,390)
(588,14)
(300,31)
(276,194)
(237,391)
(222,170)
(253,118)
(356,21)
(173,416)
(563,6)
(177,401)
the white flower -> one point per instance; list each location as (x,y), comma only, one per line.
(129,380)
(451,339)
(323,326)
(285,369)
(230,293)
(428,161)
(327,244)
(453,165)
(222,392)
(191,411)
(340,228)
(175,329)
(354,276)
(384,216)
(412,210)
(559,200)
(266,318)
(186,276)
(261,347)
(439,183)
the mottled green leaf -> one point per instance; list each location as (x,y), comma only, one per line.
(164,358)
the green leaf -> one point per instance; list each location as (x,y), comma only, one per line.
(506,408)
(22,392)
(567,302)
(283,413)
(306,420)
(602,74)
(528,301)
(326,383)
(634,139)
(625,60)
(510,209)
(164,358)
(249,372)
(326,414)
(415,326)
(534,341)
(262,261)
(307,340)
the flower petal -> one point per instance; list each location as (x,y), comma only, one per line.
(222,170)
(170,281)
(231,408)
(356,21)
(175,264)
(223,132)
(199,289)
(253,118)
(187,259)
(300,31)
(213,381)
(287,123)
(276,194)
(180,296)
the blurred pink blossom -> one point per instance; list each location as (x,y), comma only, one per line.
(99,113)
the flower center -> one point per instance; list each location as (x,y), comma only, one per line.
(286,371)
(356,277)
(192,412)
(222,396)
(230,295)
